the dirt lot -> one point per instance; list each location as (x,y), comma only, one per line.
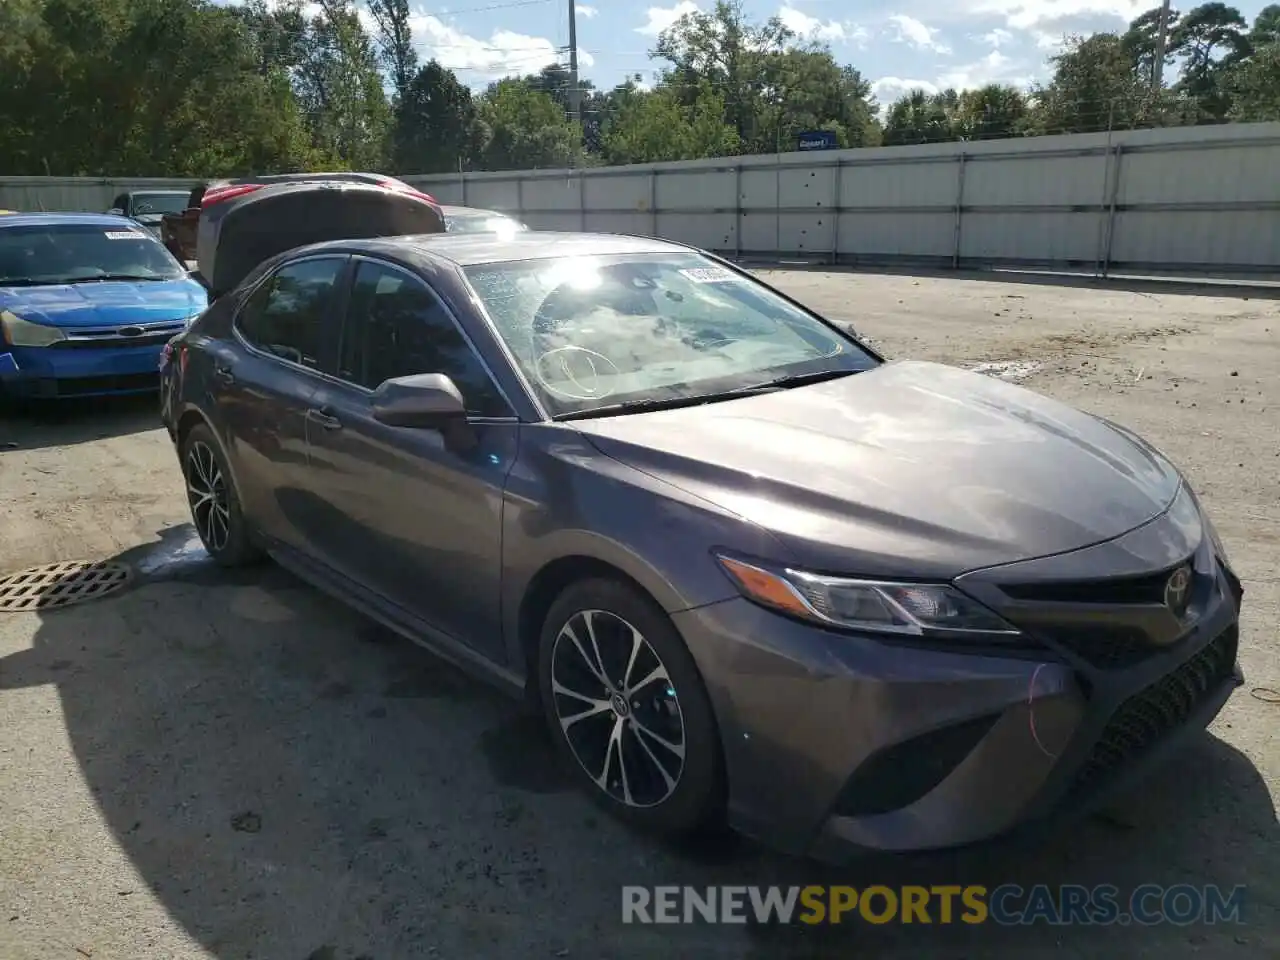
(234,767)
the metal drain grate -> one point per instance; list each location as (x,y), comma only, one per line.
(61,584)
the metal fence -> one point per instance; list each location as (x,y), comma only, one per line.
(1191,200)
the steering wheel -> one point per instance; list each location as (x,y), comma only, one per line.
(585,370)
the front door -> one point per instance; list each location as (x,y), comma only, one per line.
(406,516)
(263,381)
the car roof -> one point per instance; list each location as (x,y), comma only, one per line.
(465,249)
(69,219)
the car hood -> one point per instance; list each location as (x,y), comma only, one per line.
(106,304)
(911,469)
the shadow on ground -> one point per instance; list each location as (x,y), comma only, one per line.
(1170,285)
(292,782)
(31,424)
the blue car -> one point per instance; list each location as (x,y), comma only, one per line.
(87,303)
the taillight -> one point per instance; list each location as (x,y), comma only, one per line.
(220,194)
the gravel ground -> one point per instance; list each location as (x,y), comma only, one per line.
(234,766)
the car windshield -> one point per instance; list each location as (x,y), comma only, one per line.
(482,223)
(159,202)
(39,255)
(608,333)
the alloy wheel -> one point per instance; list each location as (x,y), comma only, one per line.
(617,708)
(207,493)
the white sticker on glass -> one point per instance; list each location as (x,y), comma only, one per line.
(711,275)
(125,235)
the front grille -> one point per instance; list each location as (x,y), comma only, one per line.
(1148,588)
(1105,647)
(80,386)
(1160,708)
(147,340)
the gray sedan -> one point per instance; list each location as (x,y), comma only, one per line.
(746,567)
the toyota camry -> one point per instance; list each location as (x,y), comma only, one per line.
(746,567)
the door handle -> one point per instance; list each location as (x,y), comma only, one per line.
(324,418)
(224,374)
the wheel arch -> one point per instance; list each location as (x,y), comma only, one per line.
(548,583)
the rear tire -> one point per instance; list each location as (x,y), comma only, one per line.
(214,501)
(637,731)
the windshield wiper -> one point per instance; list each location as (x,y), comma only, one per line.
(126,277)
(693,400)
(795,380)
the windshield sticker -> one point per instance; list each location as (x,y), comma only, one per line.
(711,275)
(125,235)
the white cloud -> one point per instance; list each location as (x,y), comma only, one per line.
(811,28)
(502,53)
(659,18)
(997,37)
(586,11)
(912,31)
(889,89)
(995,67)
(1027,14)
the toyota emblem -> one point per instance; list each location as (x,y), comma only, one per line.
(1177,591)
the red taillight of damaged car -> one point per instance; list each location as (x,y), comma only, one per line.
(220,194)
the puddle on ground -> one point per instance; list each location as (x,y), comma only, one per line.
(1013,370)
(179,552)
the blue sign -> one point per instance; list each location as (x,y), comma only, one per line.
(817,140)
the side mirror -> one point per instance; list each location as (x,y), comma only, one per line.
(425,401)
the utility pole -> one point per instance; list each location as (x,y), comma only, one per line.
(1162,38)
(575,94)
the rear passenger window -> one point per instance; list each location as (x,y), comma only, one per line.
(285,316)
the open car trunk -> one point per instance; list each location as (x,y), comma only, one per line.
(238,234)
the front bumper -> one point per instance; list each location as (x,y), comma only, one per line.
(53,372)
(837,744)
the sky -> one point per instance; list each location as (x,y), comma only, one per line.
(931,44)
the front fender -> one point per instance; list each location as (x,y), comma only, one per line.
(564,498)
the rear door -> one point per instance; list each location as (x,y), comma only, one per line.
(403,514)
(264,378)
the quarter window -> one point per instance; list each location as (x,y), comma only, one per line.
(285,316)
(396,327)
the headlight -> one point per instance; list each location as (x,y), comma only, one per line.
(1215,539)
(910,609)
(22,333)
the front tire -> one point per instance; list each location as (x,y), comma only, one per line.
(214,501)
(628,710)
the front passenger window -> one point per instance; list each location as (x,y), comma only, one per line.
(396,327)
(285,316)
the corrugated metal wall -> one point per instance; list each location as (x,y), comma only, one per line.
(82,194)
(1197,200)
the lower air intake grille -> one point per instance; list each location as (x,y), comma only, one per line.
(1162,707)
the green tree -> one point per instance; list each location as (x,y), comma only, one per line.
(395,42)
(990,113)
(526,129)
(436,124)
(1142,38)
(1211,39)
(1255,85)
(920,117)
(1096,86)
(724,49)
(655,125)
(1266,27)
(341,90)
